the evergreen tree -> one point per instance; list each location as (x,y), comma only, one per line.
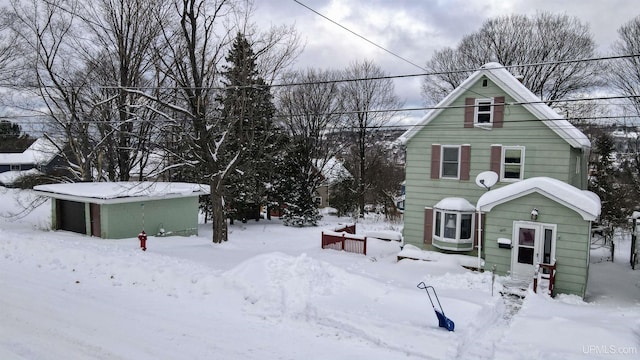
(247,101)
(294,188)
(604,182)
(11,137)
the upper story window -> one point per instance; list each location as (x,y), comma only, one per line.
(450,162)
(512,163)
(483,112)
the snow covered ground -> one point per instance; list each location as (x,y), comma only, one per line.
(272,293)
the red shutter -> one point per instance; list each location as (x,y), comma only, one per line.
(465,162)
(498,111)
(428,225)
(496,158)
(469,111)
(435,161)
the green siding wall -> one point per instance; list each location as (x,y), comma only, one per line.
(572,239)
(546,154)
(177,216)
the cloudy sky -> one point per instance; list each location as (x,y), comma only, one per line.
(414,29)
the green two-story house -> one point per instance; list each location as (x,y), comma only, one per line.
(494,169)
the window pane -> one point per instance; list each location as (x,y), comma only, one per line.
(512,171)
(465,226)
(449,170)
(450,154)
(548,237)
(526,237)
(512,156)
(484,118)
(484,106)
(450,222)
(525,255)
(438,223)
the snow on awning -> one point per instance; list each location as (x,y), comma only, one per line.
(454,204)
(121,191)
(586,203)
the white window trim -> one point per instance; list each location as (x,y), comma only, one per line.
(457,239)
(15,167)
(442,147)
(502,163)
(476,111)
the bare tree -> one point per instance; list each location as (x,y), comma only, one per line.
(369,105)
(56,75)
(624,78)
(121,34)
(624,74)
(520,41)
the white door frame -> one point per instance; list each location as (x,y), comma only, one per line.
(544,243)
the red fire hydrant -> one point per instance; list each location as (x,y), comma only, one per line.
(143,240)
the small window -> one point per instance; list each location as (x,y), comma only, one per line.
(318,200)
(484,112)
(512,163)
(450,162)
(484,82)
(15,167)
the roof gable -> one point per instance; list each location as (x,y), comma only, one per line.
(585,203)
(522,96)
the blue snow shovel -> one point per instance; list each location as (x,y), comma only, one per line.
(443,321)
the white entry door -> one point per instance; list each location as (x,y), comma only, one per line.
(533,243)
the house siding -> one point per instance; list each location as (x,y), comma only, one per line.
(572,239)
(546,154)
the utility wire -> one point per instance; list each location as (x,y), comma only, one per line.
(373,78)
(360,36)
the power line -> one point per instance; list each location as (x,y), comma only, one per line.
(361,37)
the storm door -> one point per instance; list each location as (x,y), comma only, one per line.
(533,243)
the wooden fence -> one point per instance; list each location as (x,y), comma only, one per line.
(344,238)
(545,272)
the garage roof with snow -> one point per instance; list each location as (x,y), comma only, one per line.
(122,191)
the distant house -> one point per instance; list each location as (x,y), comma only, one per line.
(115,210)
(531,211)
(42,157)
(332,171)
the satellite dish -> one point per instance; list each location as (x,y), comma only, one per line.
(486,179)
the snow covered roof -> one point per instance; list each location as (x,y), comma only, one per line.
(11,177)
(454,204)
(42,151)
(122,191)
(586,203)
(332,169)
(514,88)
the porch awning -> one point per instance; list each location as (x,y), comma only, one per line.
(584,202)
